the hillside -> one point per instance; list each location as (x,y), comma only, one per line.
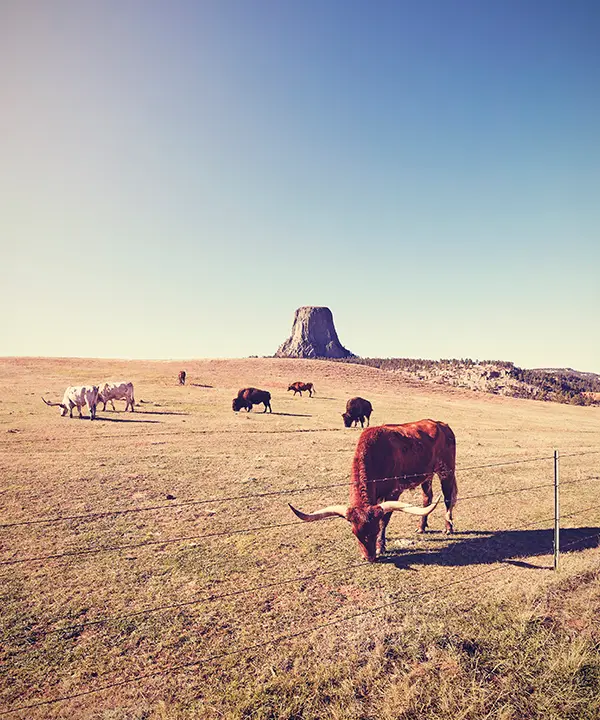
(151,568)
(562,385)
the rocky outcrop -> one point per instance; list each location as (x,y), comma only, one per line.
(313,336)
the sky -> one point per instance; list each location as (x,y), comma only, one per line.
(176,178)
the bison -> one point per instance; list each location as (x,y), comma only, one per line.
(181,377)
(388,460)
(298,387)
(78,397)
(357,409)
(117,391)
(247,397)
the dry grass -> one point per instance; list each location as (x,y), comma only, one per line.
(511,640)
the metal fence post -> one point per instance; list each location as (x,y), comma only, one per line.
(556,512)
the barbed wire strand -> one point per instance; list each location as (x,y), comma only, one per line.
(577,454)
(525,489)
(146,543)
(211,597)
(283,637)
(270,493)
(167,541)
(246,649)
(187,603)
(272,641)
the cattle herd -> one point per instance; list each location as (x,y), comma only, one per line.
(388,459)
(92,395)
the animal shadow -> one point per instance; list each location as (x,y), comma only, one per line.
(159,412)
(503,546)
(201,385)
(103,418)
(290,414)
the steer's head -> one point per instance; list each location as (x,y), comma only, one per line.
(366,520)
(347,419)
(236,404)
(366,523)
(291,387)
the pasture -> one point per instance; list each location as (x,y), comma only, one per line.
(287,621)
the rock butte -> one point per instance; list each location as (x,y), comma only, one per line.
(313,336)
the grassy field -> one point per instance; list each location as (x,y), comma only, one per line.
(287,621)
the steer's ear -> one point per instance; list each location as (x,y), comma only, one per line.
(329,511)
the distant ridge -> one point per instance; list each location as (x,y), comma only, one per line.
(499,377)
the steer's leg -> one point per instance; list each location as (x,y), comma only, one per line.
(113,405)
(383,523)
(448,480)
(427,488)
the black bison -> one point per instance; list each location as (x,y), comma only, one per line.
(298,387)
(247,397)
(388,460)
(357,409)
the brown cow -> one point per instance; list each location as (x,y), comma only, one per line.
(247,397)
(388,460)
(357,409)
(298,387)
(181,377)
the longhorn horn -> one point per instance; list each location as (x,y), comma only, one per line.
(391,505)
(51,404)
(329,511)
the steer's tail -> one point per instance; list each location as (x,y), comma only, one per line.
(51,404)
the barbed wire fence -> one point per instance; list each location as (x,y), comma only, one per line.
(349,568)
(92,515)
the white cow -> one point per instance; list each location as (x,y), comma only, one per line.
(117,391)
(78,397)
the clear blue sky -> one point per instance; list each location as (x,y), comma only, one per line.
(176,178)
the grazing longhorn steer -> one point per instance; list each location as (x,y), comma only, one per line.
(181,377)
(357,409)
(388,460)
(78,397)
(298,387)
(247,397)
(117,391)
